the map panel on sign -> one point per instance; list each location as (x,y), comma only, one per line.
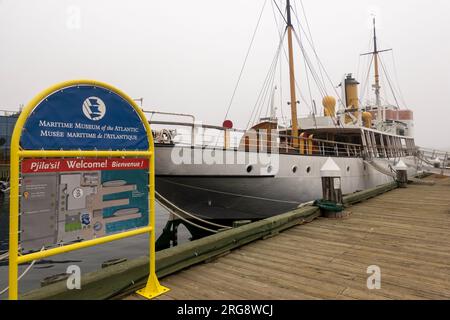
(67,200)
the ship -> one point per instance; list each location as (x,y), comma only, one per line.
(271,168)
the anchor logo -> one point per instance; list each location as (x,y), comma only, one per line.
(94,108)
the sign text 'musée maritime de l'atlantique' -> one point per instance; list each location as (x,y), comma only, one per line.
(127,131)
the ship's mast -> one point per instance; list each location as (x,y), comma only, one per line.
(380,113)
(377,72)
(293,102)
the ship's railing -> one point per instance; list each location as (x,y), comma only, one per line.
(388,152)
(215,137)
(320,147)
(8,113)
(434,154)
(437,158)
(192,125)
(383,145)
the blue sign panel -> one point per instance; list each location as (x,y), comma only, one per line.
(84,117)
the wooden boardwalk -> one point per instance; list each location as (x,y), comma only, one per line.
(406,232)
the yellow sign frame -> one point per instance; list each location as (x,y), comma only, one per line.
(153,288)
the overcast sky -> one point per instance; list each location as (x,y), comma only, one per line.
(185,56)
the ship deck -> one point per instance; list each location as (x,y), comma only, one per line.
(405,232)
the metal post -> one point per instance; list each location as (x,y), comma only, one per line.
(402,174)
(383,146)
(331,205)
(374,143)
(365,146)
(14,215)
(444,164)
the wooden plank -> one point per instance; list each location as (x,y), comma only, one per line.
(405,232)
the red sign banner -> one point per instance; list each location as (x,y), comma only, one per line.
(67,165)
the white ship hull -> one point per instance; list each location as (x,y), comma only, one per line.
(230,192)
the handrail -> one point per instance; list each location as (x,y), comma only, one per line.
(174,123)
(433,152)
(9,113)
(179,115)
(170,114)
(205,126)
(322,147)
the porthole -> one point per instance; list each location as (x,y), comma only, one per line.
(269,169)
(308,169)
(348,168)
(294,169)
(249,168)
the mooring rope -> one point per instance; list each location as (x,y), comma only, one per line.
(381,170)
(188,221)
(158,195)
(4,256)
(23,274)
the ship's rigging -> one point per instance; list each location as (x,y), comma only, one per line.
(377,67)
(301,36)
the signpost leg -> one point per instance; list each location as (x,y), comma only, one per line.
(152,288)
(14,225)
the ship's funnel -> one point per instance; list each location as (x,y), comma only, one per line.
(351,92)
(351,99)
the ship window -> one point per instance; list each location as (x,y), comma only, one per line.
(348,168)
(269,169)
(308,169)
(294,169)
(249,168)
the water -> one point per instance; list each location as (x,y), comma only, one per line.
(88,260)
